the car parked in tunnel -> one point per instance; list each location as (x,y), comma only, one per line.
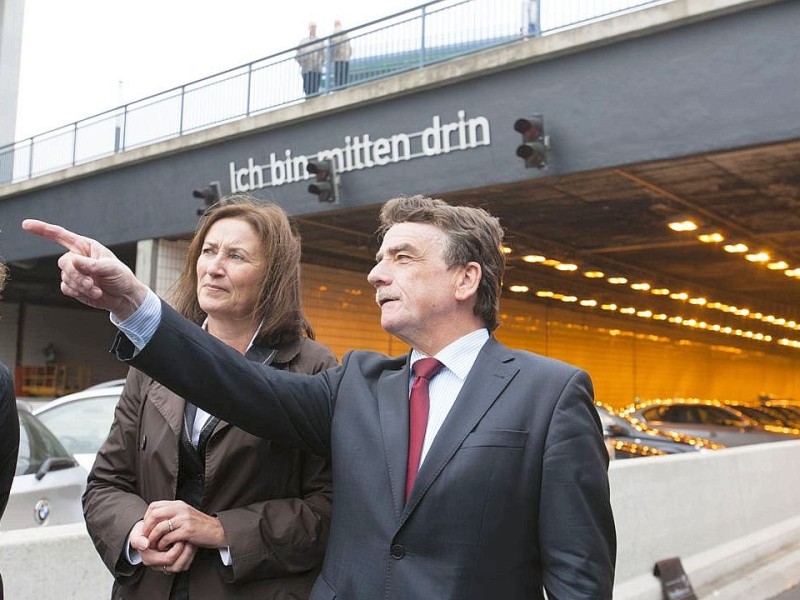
(48,482)
(709,419)
(629,438)
(81,421)
(769,417)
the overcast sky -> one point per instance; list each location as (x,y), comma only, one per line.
(74,52)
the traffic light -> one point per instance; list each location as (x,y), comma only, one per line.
(534,143)
(326,184)
(210,195)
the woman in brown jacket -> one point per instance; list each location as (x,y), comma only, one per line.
(242,517)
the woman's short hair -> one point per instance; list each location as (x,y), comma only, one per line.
(279,298)
(473,235)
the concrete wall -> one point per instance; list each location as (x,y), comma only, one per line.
(723,513)
(52,563)
(81,338)
(731,517)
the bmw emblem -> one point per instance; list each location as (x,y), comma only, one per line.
(41,511)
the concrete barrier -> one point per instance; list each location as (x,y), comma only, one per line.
(731,517)
(52,563)
(725,514)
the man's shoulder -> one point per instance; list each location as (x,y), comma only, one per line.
(528,359)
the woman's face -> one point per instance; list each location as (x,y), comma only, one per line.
(229,270)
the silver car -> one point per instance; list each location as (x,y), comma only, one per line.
(708,419)
(81,420)
(631,438)
(48,483)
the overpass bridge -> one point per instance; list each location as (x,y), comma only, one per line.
(680,109)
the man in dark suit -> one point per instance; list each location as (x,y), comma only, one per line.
(511,497)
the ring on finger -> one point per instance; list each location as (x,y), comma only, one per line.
(169,524)
(164,570)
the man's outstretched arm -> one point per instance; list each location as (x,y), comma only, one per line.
(91,273)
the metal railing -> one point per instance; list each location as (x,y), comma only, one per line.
(407,40)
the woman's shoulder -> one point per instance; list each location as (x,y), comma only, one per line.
(305,355)
(317,352)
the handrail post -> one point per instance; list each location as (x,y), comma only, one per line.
(249,87)
(183,96)
(328,65)
(30,160)
(422,57)
(74,141)
(124,125)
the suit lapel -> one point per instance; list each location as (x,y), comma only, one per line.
(393,414)
(491,373)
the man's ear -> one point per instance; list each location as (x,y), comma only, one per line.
(467,285)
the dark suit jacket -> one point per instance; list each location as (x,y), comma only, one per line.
(512,496)
(9,439)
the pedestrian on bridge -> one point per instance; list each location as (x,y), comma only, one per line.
(311,58)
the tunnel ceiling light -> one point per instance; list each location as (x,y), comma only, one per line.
(567,267)
(591,272)
(758,257)
(735,248)
(534,258)
(682,223)
(711,237)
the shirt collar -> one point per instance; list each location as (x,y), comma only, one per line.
(459,356)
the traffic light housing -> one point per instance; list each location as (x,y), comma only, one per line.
(533,149)
(210,194)
(325,184)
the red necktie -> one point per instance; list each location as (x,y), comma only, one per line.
(419,403)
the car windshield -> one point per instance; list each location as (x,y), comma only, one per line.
(82,425)
(758,415)
(36,444)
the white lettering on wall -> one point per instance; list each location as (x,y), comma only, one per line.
(362,152)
